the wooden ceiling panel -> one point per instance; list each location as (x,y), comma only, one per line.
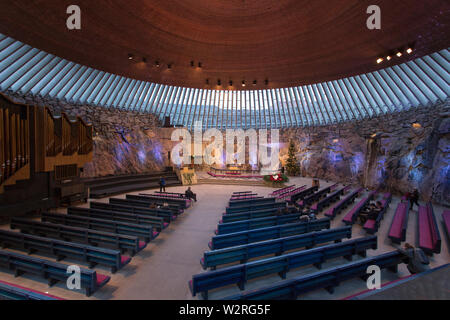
(288,42)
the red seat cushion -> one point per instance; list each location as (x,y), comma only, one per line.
(397,223)
(102,279)
(446,217)
(370,224)
(124,260)
(142,244)
(165,224)
(155,234)
(425,239)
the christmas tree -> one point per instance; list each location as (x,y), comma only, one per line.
(292,166)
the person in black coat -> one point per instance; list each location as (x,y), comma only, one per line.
(190,195)
(414,199)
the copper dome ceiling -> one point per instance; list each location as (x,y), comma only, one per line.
(288,42)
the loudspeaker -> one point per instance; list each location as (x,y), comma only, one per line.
(167,122)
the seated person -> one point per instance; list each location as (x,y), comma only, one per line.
(190,195)
(416,259)
(366,212)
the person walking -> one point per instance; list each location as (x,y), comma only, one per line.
(413,199)
(162,185)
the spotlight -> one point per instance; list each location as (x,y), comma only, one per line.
(388,58)
(231,83)
(409,50)
(157,63)
(130,56)
(219,83)
(399,54)
(254,82)
(243,83)
(199,64)
(192,63)
(380,60)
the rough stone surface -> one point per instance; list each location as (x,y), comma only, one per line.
(397,152)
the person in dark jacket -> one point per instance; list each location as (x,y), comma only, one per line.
(190,195)
(416,259)
(162,185)
(413,199)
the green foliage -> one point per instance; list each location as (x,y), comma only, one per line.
(292,167)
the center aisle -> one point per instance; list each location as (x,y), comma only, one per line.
(164,268)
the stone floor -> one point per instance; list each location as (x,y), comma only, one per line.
(163,269)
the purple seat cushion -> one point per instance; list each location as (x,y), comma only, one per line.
(370,224)
(397,223)
(425,239)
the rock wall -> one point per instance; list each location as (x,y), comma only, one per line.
(125,142)
(396,152)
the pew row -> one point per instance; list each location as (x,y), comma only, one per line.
(429,236)
(144,232)
(90,280)
(251,202)
(301,194)
(352,215)
(333,197)
(150,198)
(9,291)
(240,274)
(282,190)
(251,236)
(372,225)
(397,231)
(131,209)
(234,217)
(314,197)
(62,249)
(256,207)
(327,279)
(156,222)
(238,226)
(144,204)
(212,259)
(344,203)
(121,242)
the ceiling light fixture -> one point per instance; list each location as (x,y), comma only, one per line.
(199,64)
(192,63)
(130,56)
(169,66)
(230,83)
(157,63)
(409,50)
(399,54)
(254,82)
(243,83)
(266,82)
(388,58)
(207,81)
(380,60)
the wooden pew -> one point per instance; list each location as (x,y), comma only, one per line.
(149,198)
(344,203)
(255,207)
(234,217)
(352,215)
(397,231)
(80,235)
(240,274)
(145,232)
(130,209)
(285,230)
(230,227)
(372,225)
(61,249)
(429,236)
(90,280)
(144,204)
(327,279)
(156,222)
(243,253)
(251,202)
(9,291)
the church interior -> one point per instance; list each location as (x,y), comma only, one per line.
(224,150)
